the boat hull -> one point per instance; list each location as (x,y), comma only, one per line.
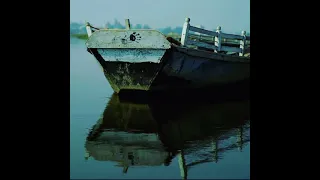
(147,61)
(183,70)
(176,70)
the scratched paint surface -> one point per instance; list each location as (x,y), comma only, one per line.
(128,39)
(132,55)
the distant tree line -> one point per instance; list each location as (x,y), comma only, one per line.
(79,28)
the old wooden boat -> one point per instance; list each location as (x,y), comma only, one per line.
(132,134)
(147,60)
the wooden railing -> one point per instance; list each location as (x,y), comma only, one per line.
(217,37)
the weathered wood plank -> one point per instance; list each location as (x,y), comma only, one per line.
(197,33)
(243,43)
(230,49)
(201,44)
(202,31)
(211,55)
(132,55)
(217,39)
(185,31)
(231,36)
(122,38)
(208,41)
(209,38)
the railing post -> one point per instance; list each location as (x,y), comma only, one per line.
(243,43)
(127,22)
(185,32)
(217,41)
(88,28)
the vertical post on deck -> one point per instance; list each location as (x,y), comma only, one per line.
(243,43)
(185,32)
(217,41)
(88,28)
(127,22)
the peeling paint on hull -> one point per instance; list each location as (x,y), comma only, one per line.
(132,55)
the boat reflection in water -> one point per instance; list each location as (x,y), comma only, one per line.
(152,134)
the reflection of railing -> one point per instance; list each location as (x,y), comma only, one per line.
(134,134)
(214,154)
(182,165)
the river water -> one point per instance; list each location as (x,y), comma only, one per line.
(111,139)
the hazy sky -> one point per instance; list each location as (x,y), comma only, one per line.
(231,15)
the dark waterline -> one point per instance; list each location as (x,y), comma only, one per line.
(112,138)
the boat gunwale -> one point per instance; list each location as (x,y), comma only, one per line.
(210,55)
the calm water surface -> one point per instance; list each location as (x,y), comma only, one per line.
(113,139)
